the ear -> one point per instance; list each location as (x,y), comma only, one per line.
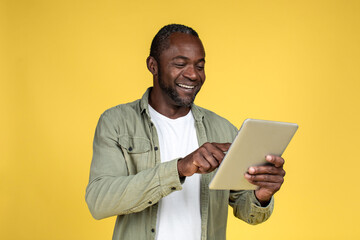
(152,65)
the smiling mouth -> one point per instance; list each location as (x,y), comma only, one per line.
(185,86)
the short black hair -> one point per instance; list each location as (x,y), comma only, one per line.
(161,39)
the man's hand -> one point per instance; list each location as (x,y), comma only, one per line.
(203,160)
(269,178)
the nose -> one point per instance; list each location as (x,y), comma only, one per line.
(190,73)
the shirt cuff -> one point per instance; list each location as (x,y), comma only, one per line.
(169,177)
(256,205)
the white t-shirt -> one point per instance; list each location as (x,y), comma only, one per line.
(178,213)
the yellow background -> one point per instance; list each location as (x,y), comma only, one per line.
(64,62)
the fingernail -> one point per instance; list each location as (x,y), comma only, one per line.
(268,158)
(251,170)
(247,176)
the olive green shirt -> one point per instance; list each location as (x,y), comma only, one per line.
(127,177)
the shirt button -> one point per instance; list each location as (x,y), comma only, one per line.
(152,230)
(173,188)
(130,149)
(156,148)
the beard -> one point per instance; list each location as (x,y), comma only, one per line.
(174,95)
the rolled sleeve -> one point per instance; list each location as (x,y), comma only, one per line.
(169,177)
(248,208)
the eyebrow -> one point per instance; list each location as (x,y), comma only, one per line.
(186,58)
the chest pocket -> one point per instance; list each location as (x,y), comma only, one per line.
(136,152)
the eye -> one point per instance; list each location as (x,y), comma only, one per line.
(200,67)
(179,65)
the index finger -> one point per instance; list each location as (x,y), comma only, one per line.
(222,146)
(276,160)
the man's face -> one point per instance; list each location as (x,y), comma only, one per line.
(181,69)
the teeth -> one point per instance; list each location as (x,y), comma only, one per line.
(186,86)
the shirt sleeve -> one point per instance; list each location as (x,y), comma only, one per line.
(111,190)
(248,208)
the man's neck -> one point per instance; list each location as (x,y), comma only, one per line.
(164,107)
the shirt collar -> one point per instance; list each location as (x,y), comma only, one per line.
(144,102)
(144,106)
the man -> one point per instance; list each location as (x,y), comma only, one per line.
(154,158)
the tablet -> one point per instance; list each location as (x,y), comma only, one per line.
(255,140)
